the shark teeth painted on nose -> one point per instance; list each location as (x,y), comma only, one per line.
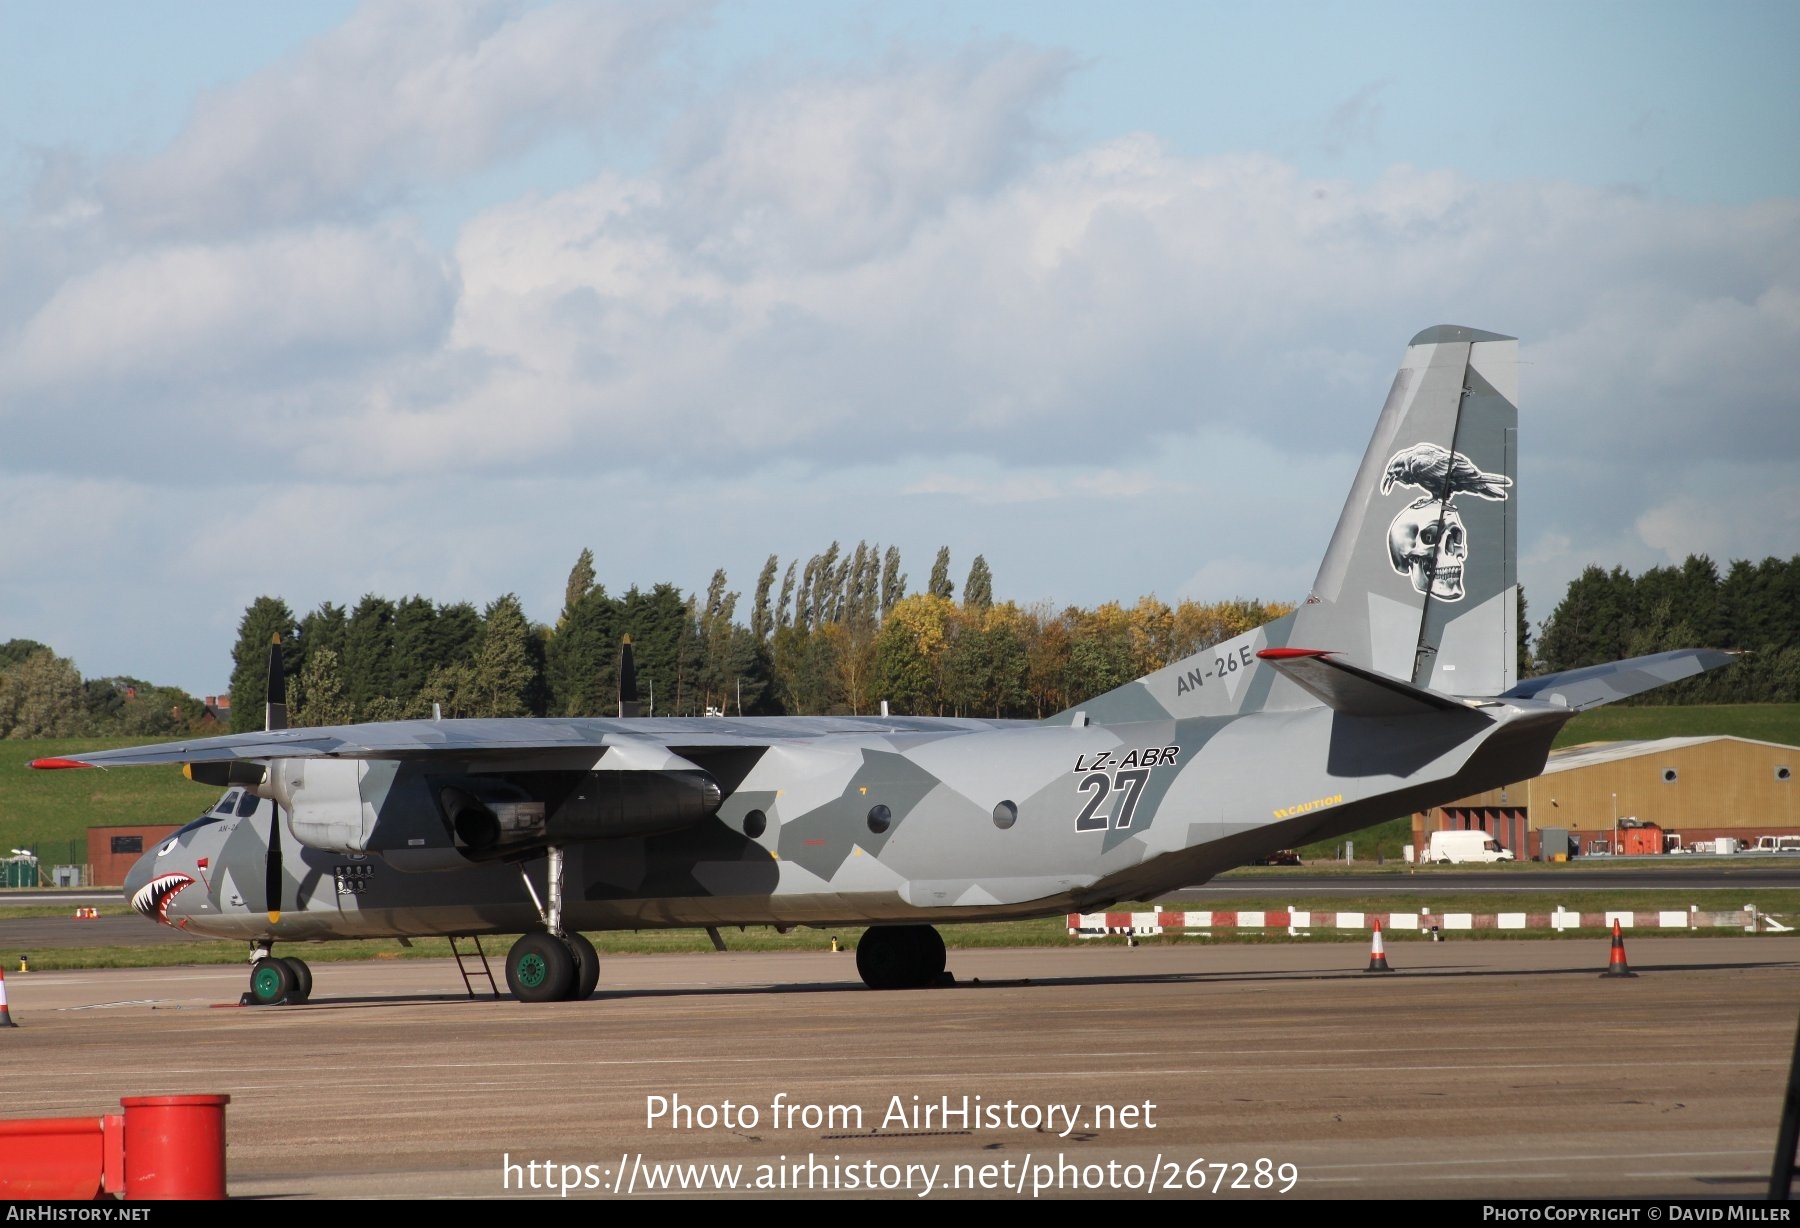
(152,899)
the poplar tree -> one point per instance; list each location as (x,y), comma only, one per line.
(940,585)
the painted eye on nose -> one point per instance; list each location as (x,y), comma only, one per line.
(168,847)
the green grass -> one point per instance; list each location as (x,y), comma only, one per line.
(51,811)
(1763,722)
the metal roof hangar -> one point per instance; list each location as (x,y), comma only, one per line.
(1697,789)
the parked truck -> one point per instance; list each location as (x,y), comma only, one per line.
(1446,847)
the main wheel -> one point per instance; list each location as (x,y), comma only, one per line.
(271,982)
(540,968)
(929,950)
(302,978)
(900,956)
(587,966)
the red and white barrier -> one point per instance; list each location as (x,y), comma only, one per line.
(1298,921)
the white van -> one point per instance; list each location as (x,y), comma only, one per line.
(1460,846)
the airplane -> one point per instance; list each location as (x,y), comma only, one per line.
(1393,688)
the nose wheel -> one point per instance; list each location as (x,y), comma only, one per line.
(275,980)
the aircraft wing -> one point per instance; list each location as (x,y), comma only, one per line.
(1589,687)
(517,735)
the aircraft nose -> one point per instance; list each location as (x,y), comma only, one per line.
(139,876)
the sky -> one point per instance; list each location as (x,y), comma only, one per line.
(425,297)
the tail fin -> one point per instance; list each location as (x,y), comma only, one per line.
(1420,580)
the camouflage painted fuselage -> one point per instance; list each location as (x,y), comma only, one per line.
(984,820)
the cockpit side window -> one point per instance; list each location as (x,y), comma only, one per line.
(202,821)
(227,803)
(247,805)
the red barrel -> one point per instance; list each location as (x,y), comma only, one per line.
(175,1146)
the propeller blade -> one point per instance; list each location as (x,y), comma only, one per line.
(628,688)
(272,871)
(275,716)
(275,713)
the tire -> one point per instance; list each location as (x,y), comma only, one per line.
(587,966)
(303,981)
(540,968)
(880,957)
(931,956)
(900,956)
(271,982)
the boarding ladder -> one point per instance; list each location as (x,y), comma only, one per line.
(467,976)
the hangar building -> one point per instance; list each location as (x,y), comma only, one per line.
(1697,788)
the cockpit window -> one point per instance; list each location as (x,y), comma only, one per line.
(247,805)
(202,821)
(226,803)
(168,846)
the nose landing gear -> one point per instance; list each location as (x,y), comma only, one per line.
(275,980)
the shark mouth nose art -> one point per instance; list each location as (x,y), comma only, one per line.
(152,900)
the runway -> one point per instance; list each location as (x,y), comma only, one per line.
(1476,1070)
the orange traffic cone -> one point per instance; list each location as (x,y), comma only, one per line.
(1377,953)
(6,1019)
(1615,964)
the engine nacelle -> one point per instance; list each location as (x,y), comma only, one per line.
(610,804)
(356,805)
(385,806)
(492,817)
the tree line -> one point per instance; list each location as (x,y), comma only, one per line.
(43,695)
(1751,609)
(838,633)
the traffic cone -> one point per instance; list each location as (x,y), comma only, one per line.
(6,1019)
(1615,964)
(1377,953)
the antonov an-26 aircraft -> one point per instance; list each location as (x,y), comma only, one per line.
(1391,689)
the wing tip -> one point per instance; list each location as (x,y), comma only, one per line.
(54,764)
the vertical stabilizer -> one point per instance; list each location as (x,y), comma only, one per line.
(1419,582)
(1420,579)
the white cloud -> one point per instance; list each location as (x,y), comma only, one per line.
(194,314)
(840,287)
(1033,488)
(831,169)
(1755,518)
(404,93)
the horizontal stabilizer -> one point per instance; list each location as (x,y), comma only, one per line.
(1354,691)
(1593,685)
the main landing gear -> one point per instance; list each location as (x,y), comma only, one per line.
(275,980)
(900,957)
(554,965)
(544,968)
